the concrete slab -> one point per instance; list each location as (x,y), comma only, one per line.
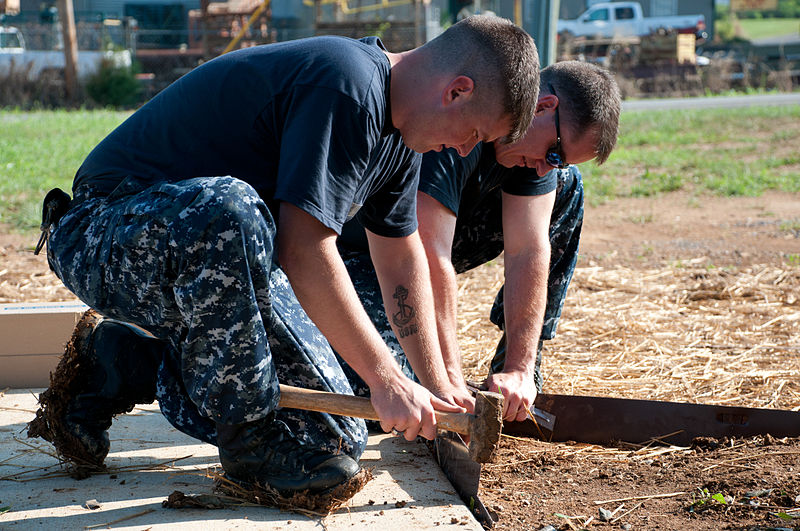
(150,459)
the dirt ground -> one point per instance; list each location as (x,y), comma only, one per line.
(681,298)
(669,302)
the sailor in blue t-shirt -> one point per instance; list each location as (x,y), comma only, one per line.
(524,199)
(209,218)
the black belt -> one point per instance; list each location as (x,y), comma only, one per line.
(55,204)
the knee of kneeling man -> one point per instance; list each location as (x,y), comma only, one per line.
(234,198)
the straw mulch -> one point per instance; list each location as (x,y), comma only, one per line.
(683,333)
(25,277)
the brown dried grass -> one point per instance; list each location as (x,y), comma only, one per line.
(682,333)
(25,277)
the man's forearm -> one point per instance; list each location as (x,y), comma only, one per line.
(326,294)
(445,295)
(437,225)
(526,232)
(405,284)
(525,299)
(323,287)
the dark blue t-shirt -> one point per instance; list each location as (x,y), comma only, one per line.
(464,185)
(306,121)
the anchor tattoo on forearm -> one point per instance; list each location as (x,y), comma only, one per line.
(402,318)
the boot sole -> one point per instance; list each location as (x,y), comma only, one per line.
(66,383)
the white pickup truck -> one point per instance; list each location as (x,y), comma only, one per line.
(625,19)
(15,58)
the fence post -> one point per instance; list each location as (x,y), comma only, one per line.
(67,18)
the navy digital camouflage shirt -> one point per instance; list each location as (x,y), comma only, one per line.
(306,121)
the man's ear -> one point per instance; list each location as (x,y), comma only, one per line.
(458,90)
(546,102)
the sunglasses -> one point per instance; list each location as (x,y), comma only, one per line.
(555,157)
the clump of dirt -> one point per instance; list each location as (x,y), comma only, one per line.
(700,444)
(304,501)
(179,500)
(66,382)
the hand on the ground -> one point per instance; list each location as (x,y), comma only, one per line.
(407,407)
(519,391)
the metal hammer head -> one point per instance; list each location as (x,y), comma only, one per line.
(485,428)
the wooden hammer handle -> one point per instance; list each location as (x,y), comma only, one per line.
(356,406)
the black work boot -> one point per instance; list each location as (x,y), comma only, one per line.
(107,368)
(265,452)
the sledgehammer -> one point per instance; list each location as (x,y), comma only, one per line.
(483,428)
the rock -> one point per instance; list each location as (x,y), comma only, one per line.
(605,515)
(92,505)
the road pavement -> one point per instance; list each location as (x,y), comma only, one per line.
(730,102)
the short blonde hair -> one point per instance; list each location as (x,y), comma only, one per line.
(501,58)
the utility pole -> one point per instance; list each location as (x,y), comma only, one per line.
(204,28)
(540,19)
(66,14)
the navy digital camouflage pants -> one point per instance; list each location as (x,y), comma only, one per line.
(478,240)
(192,262)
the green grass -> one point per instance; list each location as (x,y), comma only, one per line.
(754,28)
(41,150)
(729,152)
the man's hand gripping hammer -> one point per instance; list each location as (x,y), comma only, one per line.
(483,428)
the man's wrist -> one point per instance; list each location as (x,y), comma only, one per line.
(383,374)
(526,370)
